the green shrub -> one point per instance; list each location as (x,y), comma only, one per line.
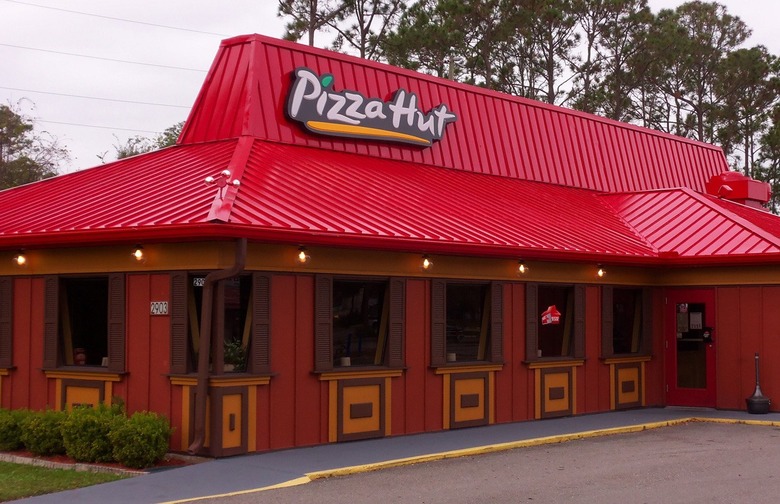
(42,432)
(141,441)
(85,433)
(10,429)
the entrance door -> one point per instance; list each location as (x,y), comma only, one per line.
(690,347)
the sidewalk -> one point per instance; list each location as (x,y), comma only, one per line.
(300,465)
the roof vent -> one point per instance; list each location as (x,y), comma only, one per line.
(739,188)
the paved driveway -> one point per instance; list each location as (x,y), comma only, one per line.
(690,463)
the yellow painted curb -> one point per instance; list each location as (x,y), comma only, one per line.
(285,484)
(765,423)
(480,450)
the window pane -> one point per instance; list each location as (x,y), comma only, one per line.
(359,322)
(468,321)
(194,306)
(84,321)
(627,320)
(237,326)
(556,333)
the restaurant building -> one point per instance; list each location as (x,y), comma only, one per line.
(337,249)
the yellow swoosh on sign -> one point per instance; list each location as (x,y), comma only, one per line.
(348,129)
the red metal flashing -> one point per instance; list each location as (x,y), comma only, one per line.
(226,196)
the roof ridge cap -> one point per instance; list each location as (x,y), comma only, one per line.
(222,206)
(600,197)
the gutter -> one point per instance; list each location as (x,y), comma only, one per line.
(207,308)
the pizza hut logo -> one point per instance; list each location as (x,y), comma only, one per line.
(551,316)
(314,103)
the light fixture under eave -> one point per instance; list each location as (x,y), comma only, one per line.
(427,263)
(522,268)
(602,271)
(138,253)
(303,256)
(20,260)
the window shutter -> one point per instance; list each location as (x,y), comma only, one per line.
(395,331)
(260,358)
(438,322)
(116,323)
(607,321)
(51,298)
(579,321)
(6,321)
(179,322)
(531,321)
(218,328)
(647,321)
(323,323)
(496,322)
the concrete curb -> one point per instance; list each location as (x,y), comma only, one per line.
(77,466)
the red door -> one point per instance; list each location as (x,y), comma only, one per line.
(691,337)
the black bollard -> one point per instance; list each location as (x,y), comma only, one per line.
(758,403)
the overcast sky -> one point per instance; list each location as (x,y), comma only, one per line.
(96,72)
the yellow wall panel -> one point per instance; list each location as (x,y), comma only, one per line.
(75,395)
(556,394)
(358,396)
(231,408)
(469,387)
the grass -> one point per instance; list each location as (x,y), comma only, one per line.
(19,480)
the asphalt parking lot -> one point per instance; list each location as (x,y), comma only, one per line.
(689,463)
(604,457)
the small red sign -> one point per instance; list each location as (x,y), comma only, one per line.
(551,316)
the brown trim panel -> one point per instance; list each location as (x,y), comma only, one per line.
(557,391)
(358,412)
(469,398)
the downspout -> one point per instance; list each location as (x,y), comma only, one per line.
(207,307)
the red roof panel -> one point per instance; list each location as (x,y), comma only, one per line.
(151,190)
(293,194)
(332,193)
(689,225)
(245,94)
(528,179)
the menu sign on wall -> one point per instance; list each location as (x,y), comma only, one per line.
(314,102)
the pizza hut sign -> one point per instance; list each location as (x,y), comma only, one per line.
(314,103)
(551,316)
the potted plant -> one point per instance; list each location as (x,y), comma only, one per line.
(234,356)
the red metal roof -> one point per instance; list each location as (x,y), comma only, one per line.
(113,201)
(246,88)
(680,223)
(291,194)
(515,191)
(337,196)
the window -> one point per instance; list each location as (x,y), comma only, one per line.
(235,297)
(240,323)
(359,322)
(467,322)
(6,321)
(555,321)
(85,322)
(626,320)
